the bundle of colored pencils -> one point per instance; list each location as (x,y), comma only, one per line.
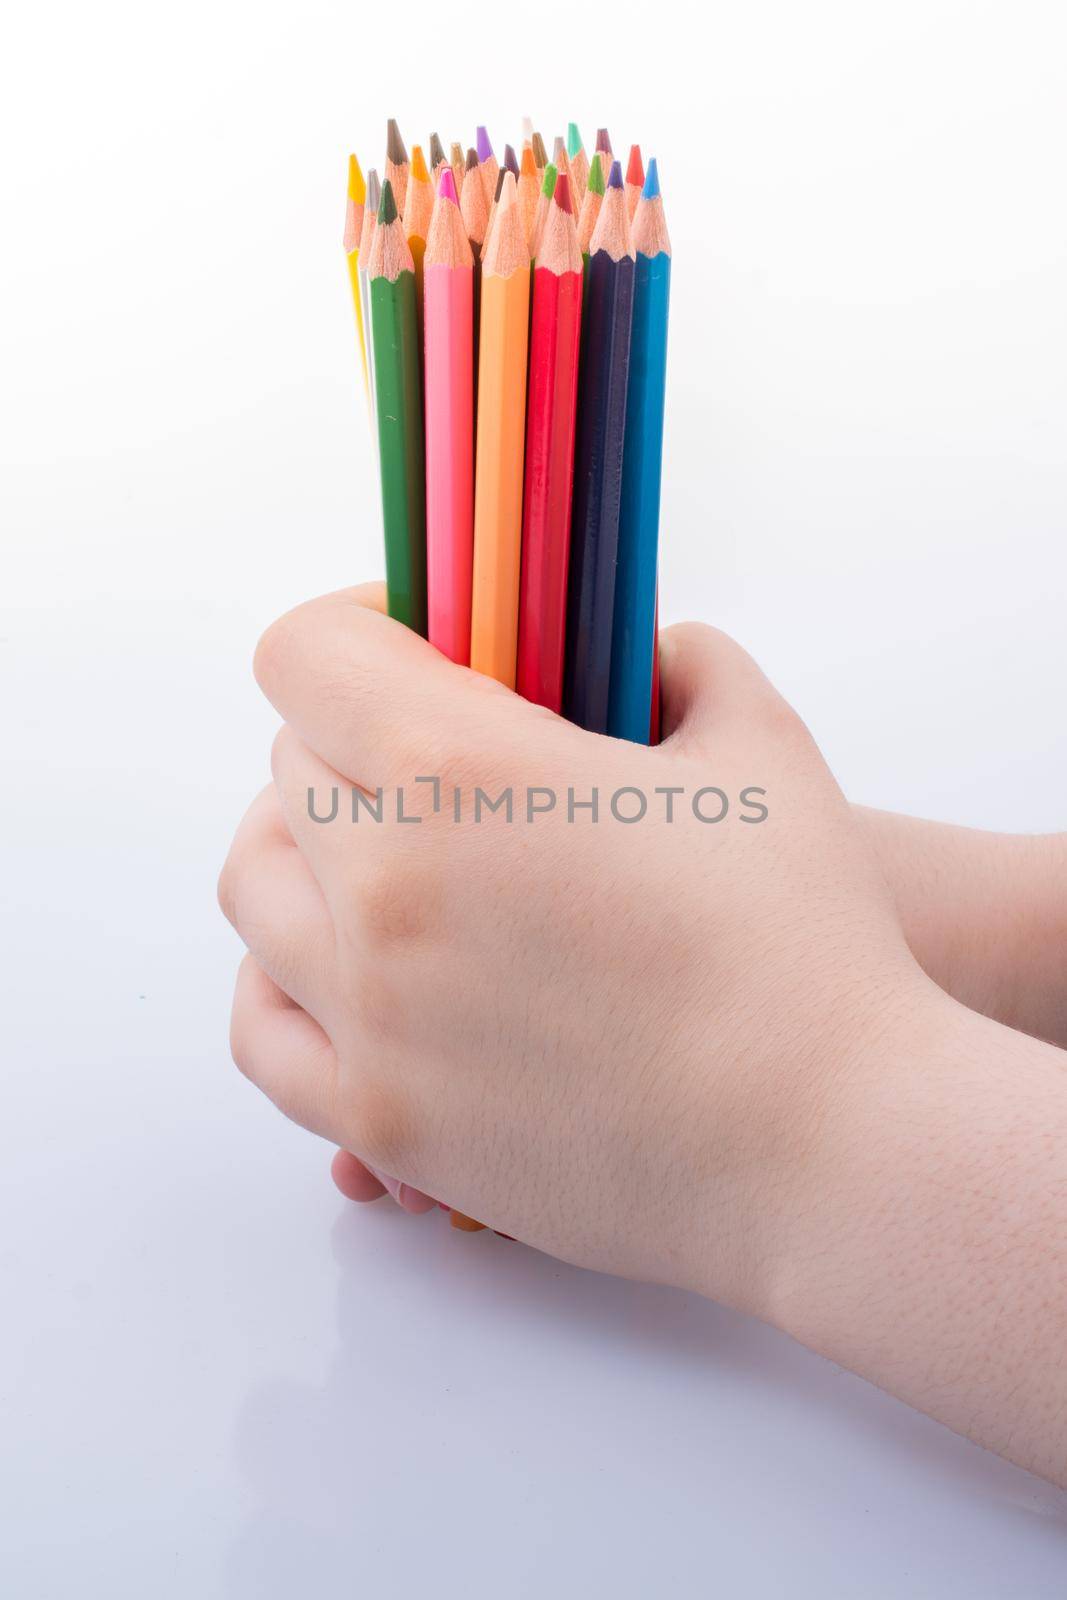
(512,321)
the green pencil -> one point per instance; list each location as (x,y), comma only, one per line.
(398,392)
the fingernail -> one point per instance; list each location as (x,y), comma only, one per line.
(467,1224)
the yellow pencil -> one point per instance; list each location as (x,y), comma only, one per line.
(354,207)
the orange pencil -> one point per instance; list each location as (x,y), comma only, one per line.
(529,188)
(417,213)
(505,313)
(396,164)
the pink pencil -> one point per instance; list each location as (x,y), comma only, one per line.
(448,276)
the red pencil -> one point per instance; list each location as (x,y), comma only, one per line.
(555,327)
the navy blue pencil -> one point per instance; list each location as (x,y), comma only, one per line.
(607,314)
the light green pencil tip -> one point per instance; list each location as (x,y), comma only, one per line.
(574,140)
(387,204)
(595,181)
(548,185)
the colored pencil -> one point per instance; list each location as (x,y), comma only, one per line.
(438,160)
(537,144)
(548,184)
(555,328)
(527,130)
(355,206)
(417,214)
(559,156)
(606,323)
(398,393)
(634,630)
(657,710)
(603,145)
(579,166)
(366,239)
(458,162)
(529,190)
(397,165)
(635,180)
(594,198)
(488,165)
(501,175)
(501,427)
(449,289)
(473,204)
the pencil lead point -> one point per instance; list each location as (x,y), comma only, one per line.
(437,150)
(540,153)
(595,180)
(529,165)
(374,190)
(418,165)
(501,175)
(387,205)
(394,144)
(603,143)
(485,149)
(447,186)
(472,160)
(615,175)
(574,139)
(635,170)
(651,188)
(548,183)
(510,160)
(357,188)
(562,193)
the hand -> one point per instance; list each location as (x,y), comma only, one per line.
(620,1043)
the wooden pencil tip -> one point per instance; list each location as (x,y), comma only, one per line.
(529,165)
(419,170)
(437,150)
(540,153)
(510,160)
(446,188)
(615,175)
(549,181)
(394,144)
(387,205)
(635,171)
(501,175)
(561,194)
(507,194)
(595,180)
(485,149)
(651,187)
(472,160)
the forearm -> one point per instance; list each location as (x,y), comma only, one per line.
(930,1255)
(985,915)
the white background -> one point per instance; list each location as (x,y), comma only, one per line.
(218,1378)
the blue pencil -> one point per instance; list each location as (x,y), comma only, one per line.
(606,321)
(634,630)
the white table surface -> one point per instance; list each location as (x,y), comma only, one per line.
(218,1378)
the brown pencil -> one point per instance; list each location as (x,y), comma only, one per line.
(396,164)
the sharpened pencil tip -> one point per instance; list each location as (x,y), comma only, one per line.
(540,153)
(485,149)
(595,180)
(548,182)
(387,205)
(357,188)
(603,143)
(447,186)
(561,194)
(418,165)
(437,149)
(635,170)
(510,160)
(651,188)
(472,160)
(507,194)
(394,144)
(529,165)
(574,139)
(501,175)
(374,190)
(615,175)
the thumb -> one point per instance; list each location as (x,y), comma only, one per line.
(707,682)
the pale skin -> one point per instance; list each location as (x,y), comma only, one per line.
(747,1060)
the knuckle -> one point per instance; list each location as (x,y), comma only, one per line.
(381,1126)
(391,902)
